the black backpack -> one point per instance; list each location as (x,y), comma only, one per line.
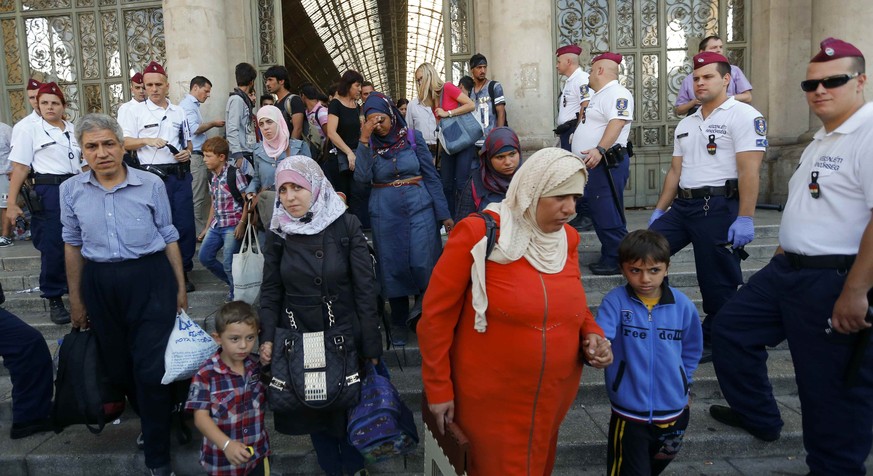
(83,392)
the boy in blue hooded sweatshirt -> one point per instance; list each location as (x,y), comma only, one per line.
(657,341)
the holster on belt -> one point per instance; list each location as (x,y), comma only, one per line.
(616,155)
(569,125)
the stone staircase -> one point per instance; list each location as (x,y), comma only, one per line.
(710,447)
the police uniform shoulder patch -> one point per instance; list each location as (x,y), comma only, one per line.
(621,106)
(583,90)
(760,126)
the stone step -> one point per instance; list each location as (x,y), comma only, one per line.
(405,368)
(582,444)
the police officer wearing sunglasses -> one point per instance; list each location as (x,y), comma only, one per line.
(813,291)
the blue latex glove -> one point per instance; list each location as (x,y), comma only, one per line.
(741,232)
(657,213)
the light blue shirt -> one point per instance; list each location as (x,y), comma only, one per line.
(128,222)
(191,106)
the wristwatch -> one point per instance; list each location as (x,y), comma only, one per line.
(602,151)
(450,113)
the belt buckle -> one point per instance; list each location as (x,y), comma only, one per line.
(397,184)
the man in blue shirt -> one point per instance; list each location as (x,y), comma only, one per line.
(124,273)
(199,91)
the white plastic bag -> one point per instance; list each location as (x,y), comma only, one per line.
(248,268)
(189,346)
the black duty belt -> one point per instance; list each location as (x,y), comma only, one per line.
(702,192)
(50,179)
(198,152)
(179,169)
(840,262)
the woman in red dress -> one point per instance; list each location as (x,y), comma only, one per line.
(503,338)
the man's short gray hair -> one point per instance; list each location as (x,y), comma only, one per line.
(98,122)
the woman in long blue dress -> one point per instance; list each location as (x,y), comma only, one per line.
(406,203)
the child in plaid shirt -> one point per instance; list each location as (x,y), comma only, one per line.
(227,398)
(227,217)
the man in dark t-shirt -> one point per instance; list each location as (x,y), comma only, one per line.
(292,106)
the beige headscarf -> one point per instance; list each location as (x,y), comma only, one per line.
(520,236)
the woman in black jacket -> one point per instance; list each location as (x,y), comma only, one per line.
(317,250)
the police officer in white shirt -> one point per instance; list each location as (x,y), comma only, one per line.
(47,146)
(32,90)
(814,291)
(574,96)
(158,131)
(601,139)
(137,95)
(712,185)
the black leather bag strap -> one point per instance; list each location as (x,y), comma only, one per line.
(490,232)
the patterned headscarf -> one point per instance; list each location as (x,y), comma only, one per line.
(499,140)
(326,205)
(279,144)
(395,139)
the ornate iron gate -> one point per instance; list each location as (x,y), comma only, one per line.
(90,47)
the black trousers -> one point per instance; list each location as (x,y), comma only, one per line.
(27,357)
(637,448)
(132,308)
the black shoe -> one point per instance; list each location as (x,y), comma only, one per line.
(603,269)
(25,429)
(726,415)
(706,356)
(57,312)
(582,223)
(189,286)
(398,335)
(162,471)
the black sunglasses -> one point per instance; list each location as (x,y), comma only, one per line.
(830,82)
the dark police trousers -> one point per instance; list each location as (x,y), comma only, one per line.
(781,302)
(607,218)
(26,356)
(46,231)
(132,308)
(181,197)
(718,269)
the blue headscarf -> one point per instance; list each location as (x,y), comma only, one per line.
(395,139)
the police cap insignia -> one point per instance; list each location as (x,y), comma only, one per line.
(760,126)
(33,85)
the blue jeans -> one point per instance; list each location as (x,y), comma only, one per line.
(216,239)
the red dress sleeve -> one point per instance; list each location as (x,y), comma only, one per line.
(589,325)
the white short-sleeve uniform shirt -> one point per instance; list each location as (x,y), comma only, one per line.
(709,147)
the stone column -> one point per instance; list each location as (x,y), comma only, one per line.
(195,35)
(521,57)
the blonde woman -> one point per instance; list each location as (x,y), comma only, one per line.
(447,100)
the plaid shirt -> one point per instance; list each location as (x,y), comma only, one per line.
(236,404)
(227,211)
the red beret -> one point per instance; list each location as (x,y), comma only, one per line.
(51,88)
(708,57)
(574,49)
(33,84)
(608,56)
(154,67)
(137,78)
(833,48)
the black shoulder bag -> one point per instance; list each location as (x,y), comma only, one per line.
(314,370)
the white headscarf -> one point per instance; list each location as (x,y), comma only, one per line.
(326,205)
(520,236)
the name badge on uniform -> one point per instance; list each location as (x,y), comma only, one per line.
(684,134)
(711,147)
(147,126)
(47,144)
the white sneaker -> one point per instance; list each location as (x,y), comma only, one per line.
(6,241)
